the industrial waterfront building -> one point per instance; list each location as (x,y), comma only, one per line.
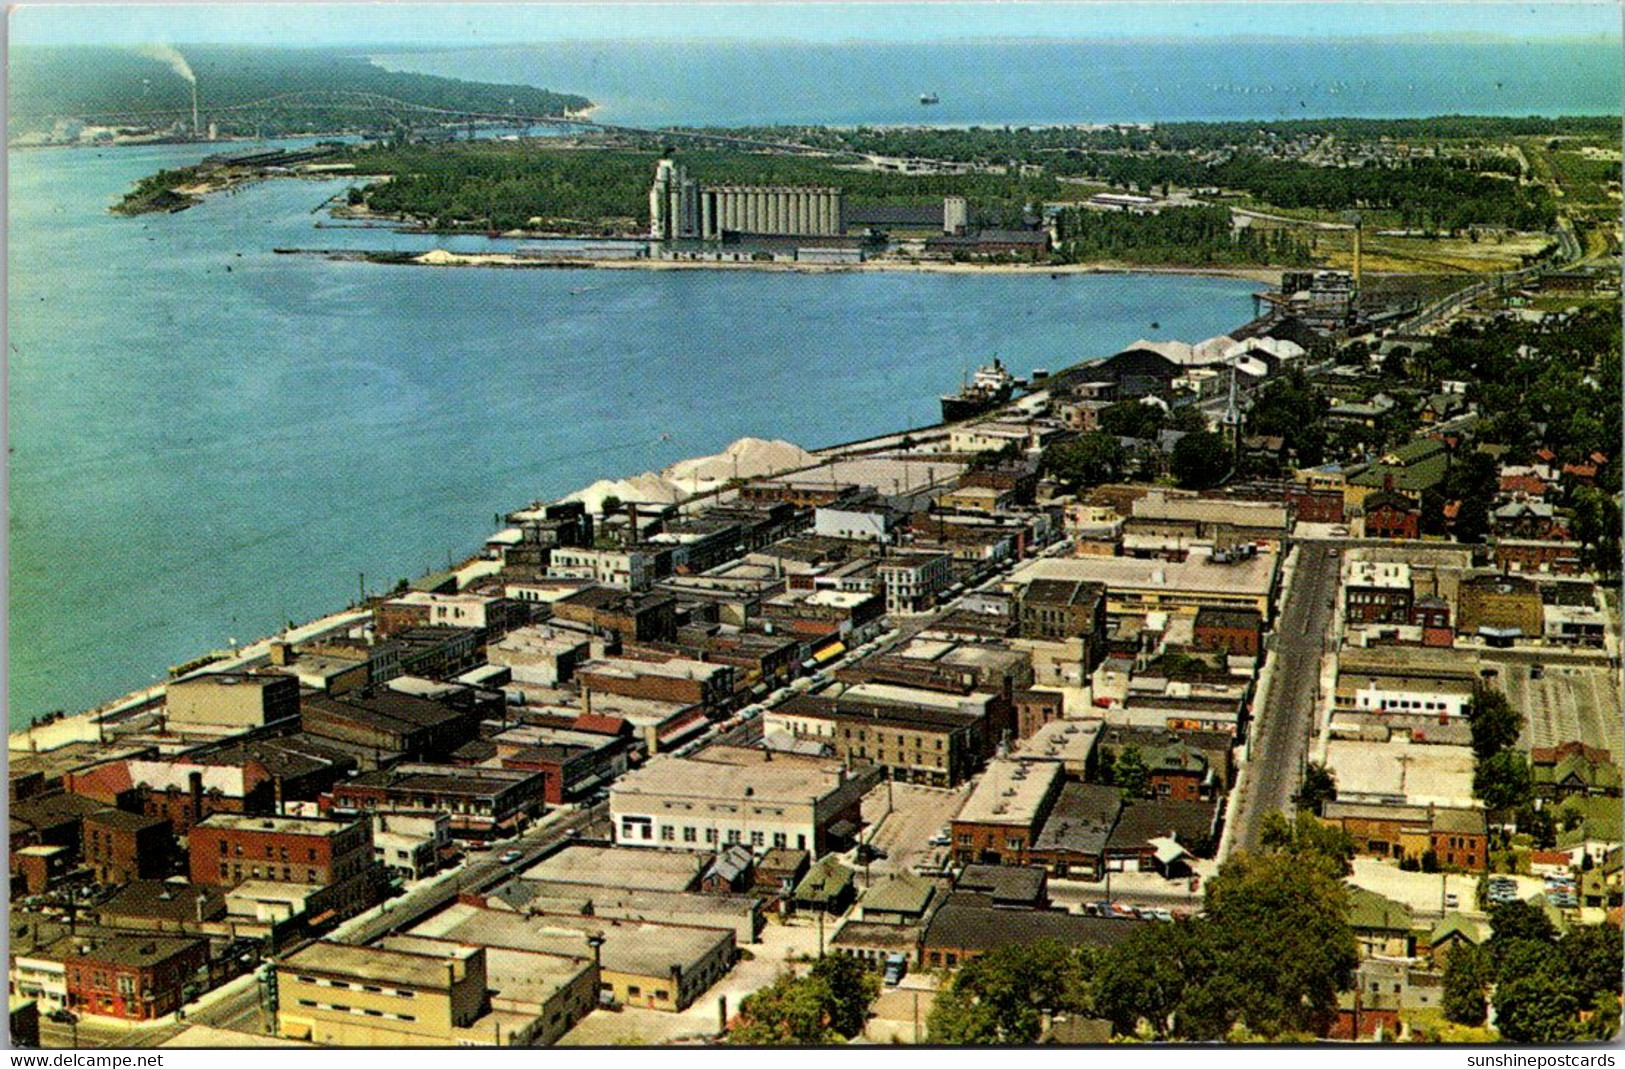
(679,207)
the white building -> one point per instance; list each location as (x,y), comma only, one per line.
(865,523)
(626,569)
(762,801)
(912,582)
(1418,697)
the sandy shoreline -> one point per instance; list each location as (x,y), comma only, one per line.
(442,258)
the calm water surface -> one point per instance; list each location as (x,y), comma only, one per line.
(209,439)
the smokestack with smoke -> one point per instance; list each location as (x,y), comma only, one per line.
(177,63)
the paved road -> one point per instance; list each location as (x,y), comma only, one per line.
(1284,717)
(478,874)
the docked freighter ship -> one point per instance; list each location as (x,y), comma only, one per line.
(990,387)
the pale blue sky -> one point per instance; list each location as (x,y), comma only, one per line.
(515,23)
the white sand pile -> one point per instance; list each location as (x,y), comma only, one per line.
(748,458)
(645,489)
(438,257)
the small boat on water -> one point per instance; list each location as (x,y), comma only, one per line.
(928,98)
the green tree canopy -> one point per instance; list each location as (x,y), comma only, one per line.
(1467,973)
(828,1005)
(1495,724)
(1319,787)
(1094,458)
(1200,460)
(1283,941)
(1132,419)
(1002,997)
(1130,773)
(1502,781)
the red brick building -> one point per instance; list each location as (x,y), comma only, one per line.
(631,617)
(1391,515)
(1034,709)
(675,680)
(1236,632)
(226,850)
(1537,555)
(135,978)
(1460,839)
(179,792)
(1315,506)
(119,847)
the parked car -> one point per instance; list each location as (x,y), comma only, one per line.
(1451,900)
(896,969)
(508,857)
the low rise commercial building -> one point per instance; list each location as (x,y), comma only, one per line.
(676,679)
(1497,606)
(961,932)
(1071,742)
(912,581)
(335,855)
(432,995)
(1072,840)
(482,803)
(401,726)
(641,964)
(999,822)
(1377,592)
(1161,835)
(1232,632)
(539,654)
(129,977)
(1136,587)
(235,700)
(119,847)
(770,802)
(940,744)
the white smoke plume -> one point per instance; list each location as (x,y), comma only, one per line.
(176,61)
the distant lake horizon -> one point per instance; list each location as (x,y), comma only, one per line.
(210,440)
(1049,81)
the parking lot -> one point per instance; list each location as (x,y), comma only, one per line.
(781,945)
(1427,893)
(1569,703)
(901,820)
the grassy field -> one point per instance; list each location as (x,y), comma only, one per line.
(1424,255)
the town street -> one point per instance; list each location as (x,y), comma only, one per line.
(1284,717)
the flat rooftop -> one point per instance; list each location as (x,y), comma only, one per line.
(778,781)
(1010,792)
(530,976)
(638,948)
(1197,574)
(409,968)
(1384,575)
(1401,770)
(624,867)
(675,668)
(892,694)
(276,825)
(1063,740)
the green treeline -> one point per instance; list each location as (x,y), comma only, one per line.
(1029,143)
(51,83)
(1175,235)
(506,184)
(1431,193)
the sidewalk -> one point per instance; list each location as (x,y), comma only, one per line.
(1233,802)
